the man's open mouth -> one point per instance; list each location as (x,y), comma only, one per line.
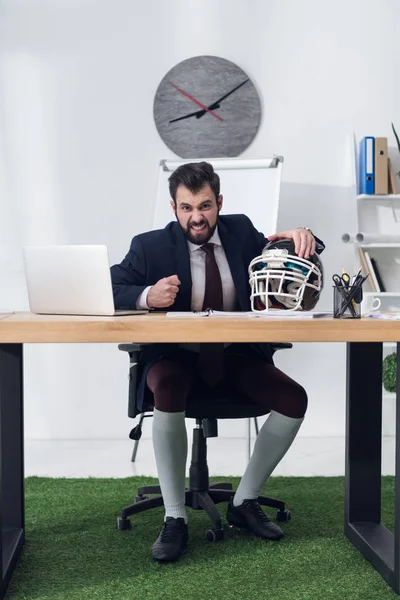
(198,227)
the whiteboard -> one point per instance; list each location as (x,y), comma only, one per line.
(249,186)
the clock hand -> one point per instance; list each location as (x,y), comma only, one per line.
(195,101)
(193,114)
(200,113)
(231,92)
(217,103)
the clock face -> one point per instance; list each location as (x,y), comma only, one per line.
(207,107)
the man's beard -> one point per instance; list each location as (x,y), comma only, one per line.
(202,237)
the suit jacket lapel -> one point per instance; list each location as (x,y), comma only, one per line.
(236,265)
(182,261)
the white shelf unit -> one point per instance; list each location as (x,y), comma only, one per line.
(376,197)
(379,215)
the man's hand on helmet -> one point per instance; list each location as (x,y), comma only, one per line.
(163,293)
(303,239)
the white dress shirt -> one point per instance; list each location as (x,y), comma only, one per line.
(198,273)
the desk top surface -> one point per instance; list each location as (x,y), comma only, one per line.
(26,327)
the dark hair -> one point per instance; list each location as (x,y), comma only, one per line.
(194,176)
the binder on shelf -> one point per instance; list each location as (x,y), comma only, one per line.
(378,275)
(367,165)
(381,165)
(372,276)
(392,185)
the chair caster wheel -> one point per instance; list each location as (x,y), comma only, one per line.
(214,535)
(140,498)
(283,516)
(123,524)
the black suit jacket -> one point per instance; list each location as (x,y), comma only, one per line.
(164,252)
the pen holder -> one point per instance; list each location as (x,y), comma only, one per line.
(343,306)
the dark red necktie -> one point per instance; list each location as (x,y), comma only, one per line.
(211,358)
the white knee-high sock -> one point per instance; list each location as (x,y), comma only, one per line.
(272,443)
(170,449)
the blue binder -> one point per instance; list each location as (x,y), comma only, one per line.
(367,165)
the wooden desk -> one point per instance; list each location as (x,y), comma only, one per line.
(20,328)
(364,339)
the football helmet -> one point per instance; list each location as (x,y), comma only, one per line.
(279,279)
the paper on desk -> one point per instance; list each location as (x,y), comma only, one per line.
(184,314)
(208,313)
(280,314)
(273,313)
(392,316)
(227,313)
(295,314)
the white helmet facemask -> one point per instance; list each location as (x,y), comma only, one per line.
(280,280)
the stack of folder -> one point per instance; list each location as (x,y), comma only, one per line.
(370,267)
(375,169)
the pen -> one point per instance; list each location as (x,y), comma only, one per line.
(355,278)
(355,290)
(346,280)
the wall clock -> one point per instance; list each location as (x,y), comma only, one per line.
(207,106)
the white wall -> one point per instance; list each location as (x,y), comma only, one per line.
(79,154)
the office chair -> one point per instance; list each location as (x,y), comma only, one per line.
(206,409)
(128,348)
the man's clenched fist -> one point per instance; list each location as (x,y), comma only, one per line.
(163,293)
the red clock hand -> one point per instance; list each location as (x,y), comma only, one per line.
(203,106)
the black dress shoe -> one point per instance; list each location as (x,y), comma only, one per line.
(172,540)
(251,516)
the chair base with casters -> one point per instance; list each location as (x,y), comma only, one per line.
(200,494)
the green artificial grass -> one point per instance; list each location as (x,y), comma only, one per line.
(74,552)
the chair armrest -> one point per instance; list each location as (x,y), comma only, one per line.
(280,346)
(130,347)
(134,351)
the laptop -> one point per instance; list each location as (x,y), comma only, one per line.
(70,280)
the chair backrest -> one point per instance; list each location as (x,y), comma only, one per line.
(249,186)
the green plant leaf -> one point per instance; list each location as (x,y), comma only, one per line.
(389,372)
(397,137)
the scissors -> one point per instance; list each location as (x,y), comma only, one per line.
(346,279)
(341,280)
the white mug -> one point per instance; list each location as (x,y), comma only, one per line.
(369,304)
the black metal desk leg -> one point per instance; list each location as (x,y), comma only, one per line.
(363,461)
(12,518)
